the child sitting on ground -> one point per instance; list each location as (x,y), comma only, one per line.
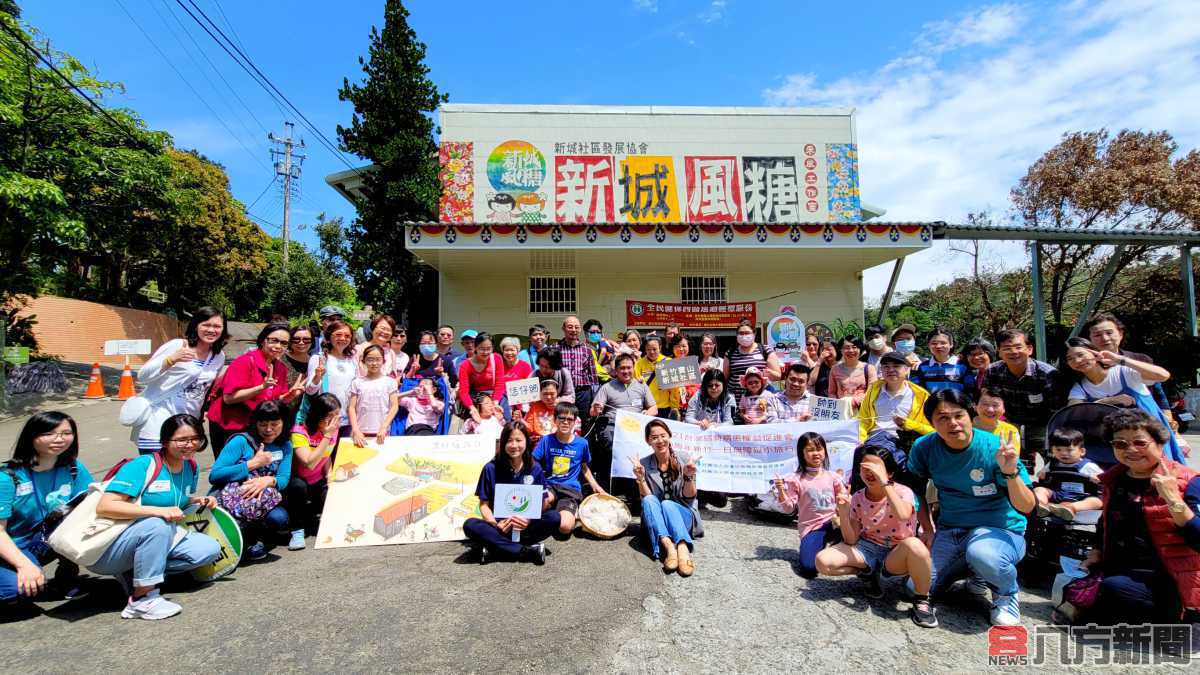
(424,407)
(811,491)
(879,536)
(1069,482)
(489,422)
(755,403)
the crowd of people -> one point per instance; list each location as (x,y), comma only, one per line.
(944,484)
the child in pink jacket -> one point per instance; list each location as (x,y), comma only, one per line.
(812,491)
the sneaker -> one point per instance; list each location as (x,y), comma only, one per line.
(923,615)
(1006,611)
(297,541)
(257,552)
(535,554)
(1061,512)
(972,585)
(151,607)
(874,583)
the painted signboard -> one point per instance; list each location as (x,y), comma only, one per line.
(528,165)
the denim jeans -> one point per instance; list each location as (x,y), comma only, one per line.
(8,574)
(145,548)
(666,519)
(810,545)
(989,552)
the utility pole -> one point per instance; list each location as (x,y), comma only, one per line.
(287,164)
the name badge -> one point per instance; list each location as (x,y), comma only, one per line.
(276,455)
(528,480)
(1035,398)
(24,489)
(159,486)
(984,490)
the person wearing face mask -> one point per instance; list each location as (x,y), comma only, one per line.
(749,354)
(904,339)
(877,346)
(430,363)
(942,369)
(258,376)
(602,348)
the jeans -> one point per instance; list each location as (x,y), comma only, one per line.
(810,545)
(252,530)
(490,537)
(8,574)
(1137,596)
(988,552)
(304,501)
(145,548)
(666,519)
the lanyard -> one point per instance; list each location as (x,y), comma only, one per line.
(38,497)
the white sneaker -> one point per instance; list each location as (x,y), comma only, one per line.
(1006,611)
(151,607)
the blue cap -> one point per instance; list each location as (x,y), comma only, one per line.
(468,333)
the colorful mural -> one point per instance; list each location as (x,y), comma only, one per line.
(583,191)
(841,165)
(516,169)
(456,171)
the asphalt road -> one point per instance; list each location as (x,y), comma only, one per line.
(594,607)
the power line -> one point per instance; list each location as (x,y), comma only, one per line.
(262,79)
(220,96)
(16,34)
(264,191)
(187,82)
(230,24)
(183,28)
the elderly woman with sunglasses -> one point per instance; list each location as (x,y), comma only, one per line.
(1150,552)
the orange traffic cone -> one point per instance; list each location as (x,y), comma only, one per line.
(95,388)
(125,391)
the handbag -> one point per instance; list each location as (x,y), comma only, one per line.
(249,508)
(82,537)
(1082,593)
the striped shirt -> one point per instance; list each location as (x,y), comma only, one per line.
(739,362)
(577,360)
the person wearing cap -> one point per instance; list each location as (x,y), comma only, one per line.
(877,346)
(904,340)
(467,340)
(328,314)
(892,403)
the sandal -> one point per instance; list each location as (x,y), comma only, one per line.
(671,562)
(687,567)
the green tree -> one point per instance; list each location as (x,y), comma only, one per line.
(307,286)
(334,248)
(392,126)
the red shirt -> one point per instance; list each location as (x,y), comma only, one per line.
(471,381)
(246,371)
(519,371)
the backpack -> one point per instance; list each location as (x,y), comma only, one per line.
(157,461)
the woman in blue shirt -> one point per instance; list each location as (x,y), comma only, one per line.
(43,474)
(153,546)
(513,464)
(260,462)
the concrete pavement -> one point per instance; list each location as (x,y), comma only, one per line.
(595,606)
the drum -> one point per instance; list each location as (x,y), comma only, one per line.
(604,516)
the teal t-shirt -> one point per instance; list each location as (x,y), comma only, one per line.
(971,489)
(167,488)
(26,502)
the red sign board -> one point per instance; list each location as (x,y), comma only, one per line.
(654,314)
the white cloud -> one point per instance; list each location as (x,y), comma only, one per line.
(646,5)
(948,127)
(714,12)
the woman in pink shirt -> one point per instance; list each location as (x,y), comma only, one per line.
(478,374)
(511,370)
(313,442)
(254,377)
(811,491)
(850,376)
(879,536)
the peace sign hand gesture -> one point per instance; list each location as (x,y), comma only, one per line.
(639,471)
(1007,457)
(1165,482)
(689,469)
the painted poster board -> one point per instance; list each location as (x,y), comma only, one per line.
(407,490)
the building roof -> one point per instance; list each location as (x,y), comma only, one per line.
(943,230)
(523,108)
(402,508)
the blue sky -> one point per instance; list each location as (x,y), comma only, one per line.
(954,99)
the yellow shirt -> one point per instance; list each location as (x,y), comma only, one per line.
(1006,432)
(642,370)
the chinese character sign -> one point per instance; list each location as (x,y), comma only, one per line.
(647,184)
(649,314)
(713,189)
(675,373)
(772,194)
(522,391)
(583,190)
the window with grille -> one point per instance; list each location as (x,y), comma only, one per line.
(702,289)
(551,295)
